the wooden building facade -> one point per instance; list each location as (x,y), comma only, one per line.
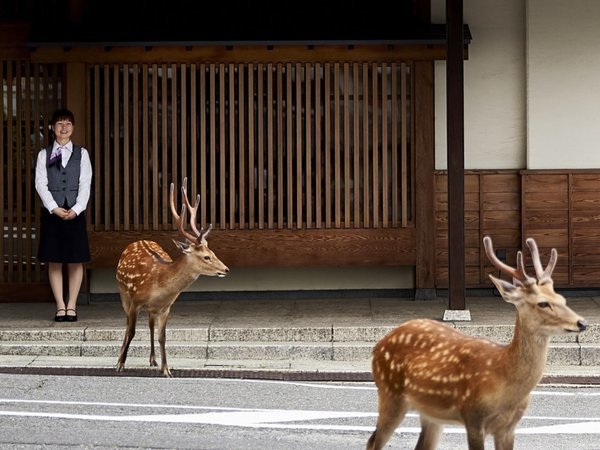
(303,154)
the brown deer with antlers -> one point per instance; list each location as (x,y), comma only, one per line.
(149,278)
(448,377)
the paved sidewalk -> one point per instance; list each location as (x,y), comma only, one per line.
(267,325)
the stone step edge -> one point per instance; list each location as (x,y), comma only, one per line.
(283,371)
(567,354)
(199,343)
(350,334)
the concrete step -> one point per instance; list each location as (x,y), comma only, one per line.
(280,343)
(497,333)
(558,354)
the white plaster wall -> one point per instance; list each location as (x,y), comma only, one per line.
(495,89)
(563,68)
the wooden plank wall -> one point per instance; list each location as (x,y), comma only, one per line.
(561,210)
(492,207)
(546,218)
(558,208)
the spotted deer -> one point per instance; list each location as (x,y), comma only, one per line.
(149,278)
(448,377)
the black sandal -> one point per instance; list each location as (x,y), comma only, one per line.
(62,318)
(71,317)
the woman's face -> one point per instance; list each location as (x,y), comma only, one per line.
(63,129)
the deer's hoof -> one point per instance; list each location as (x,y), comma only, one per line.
(167,372)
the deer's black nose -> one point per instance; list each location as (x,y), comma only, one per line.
(581,325)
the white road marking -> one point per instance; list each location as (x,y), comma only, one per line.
(280,419)
(276,418)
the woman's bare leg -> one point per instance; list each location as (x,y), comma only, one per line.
(75,279)
(56,283)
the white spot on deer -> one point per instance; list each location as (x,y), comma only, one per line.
(387,356)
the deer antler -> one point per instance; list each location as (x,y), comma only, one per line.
(544,276)
(203,234)
(517,274)
(180,220)
(200,235)
(193,209)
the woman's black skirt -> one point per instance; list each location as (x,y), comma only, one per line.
(63,241)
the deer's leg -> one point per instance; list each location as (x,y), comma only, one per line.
(131,313)
(162,337)
(475,437)
(504,440)
(430,435)
(392,410)
(151,320)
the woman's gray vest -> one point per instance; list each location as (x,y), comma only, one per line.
(63,182)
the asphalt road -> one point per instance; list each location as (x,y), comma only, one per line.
(118,412)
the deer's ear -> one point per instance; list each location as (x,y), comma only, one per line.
(183,246)
(506,289)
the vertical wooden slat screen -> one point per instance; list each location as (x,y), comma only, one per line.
(252,137)
(327,140)
(164,142)
(241,147)
(286,173)
(336,145)
(278,152)
(384,147)
(203,180)
(135,148)
(299,149)
(308,74)
(126,150)
(404,169)
(375,146)
(366,207)
(31,92)
(268,146)
(318,147)
(346,141)
(107,160)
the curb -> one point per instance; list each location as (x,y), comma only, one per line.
(276,375)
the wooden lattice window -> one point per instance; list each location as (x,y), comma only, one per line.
(267,146)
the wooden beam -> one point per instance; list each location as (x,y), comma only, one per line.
(282,247)
(456,162)
(424,181)
(238,54)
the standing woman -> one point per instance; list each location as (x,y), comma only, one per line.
(63,180)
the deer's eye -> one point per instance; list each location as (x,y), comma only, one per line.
(207,258)
(543,304)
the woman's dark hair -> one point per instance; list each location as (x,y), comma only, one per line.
(62,114)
